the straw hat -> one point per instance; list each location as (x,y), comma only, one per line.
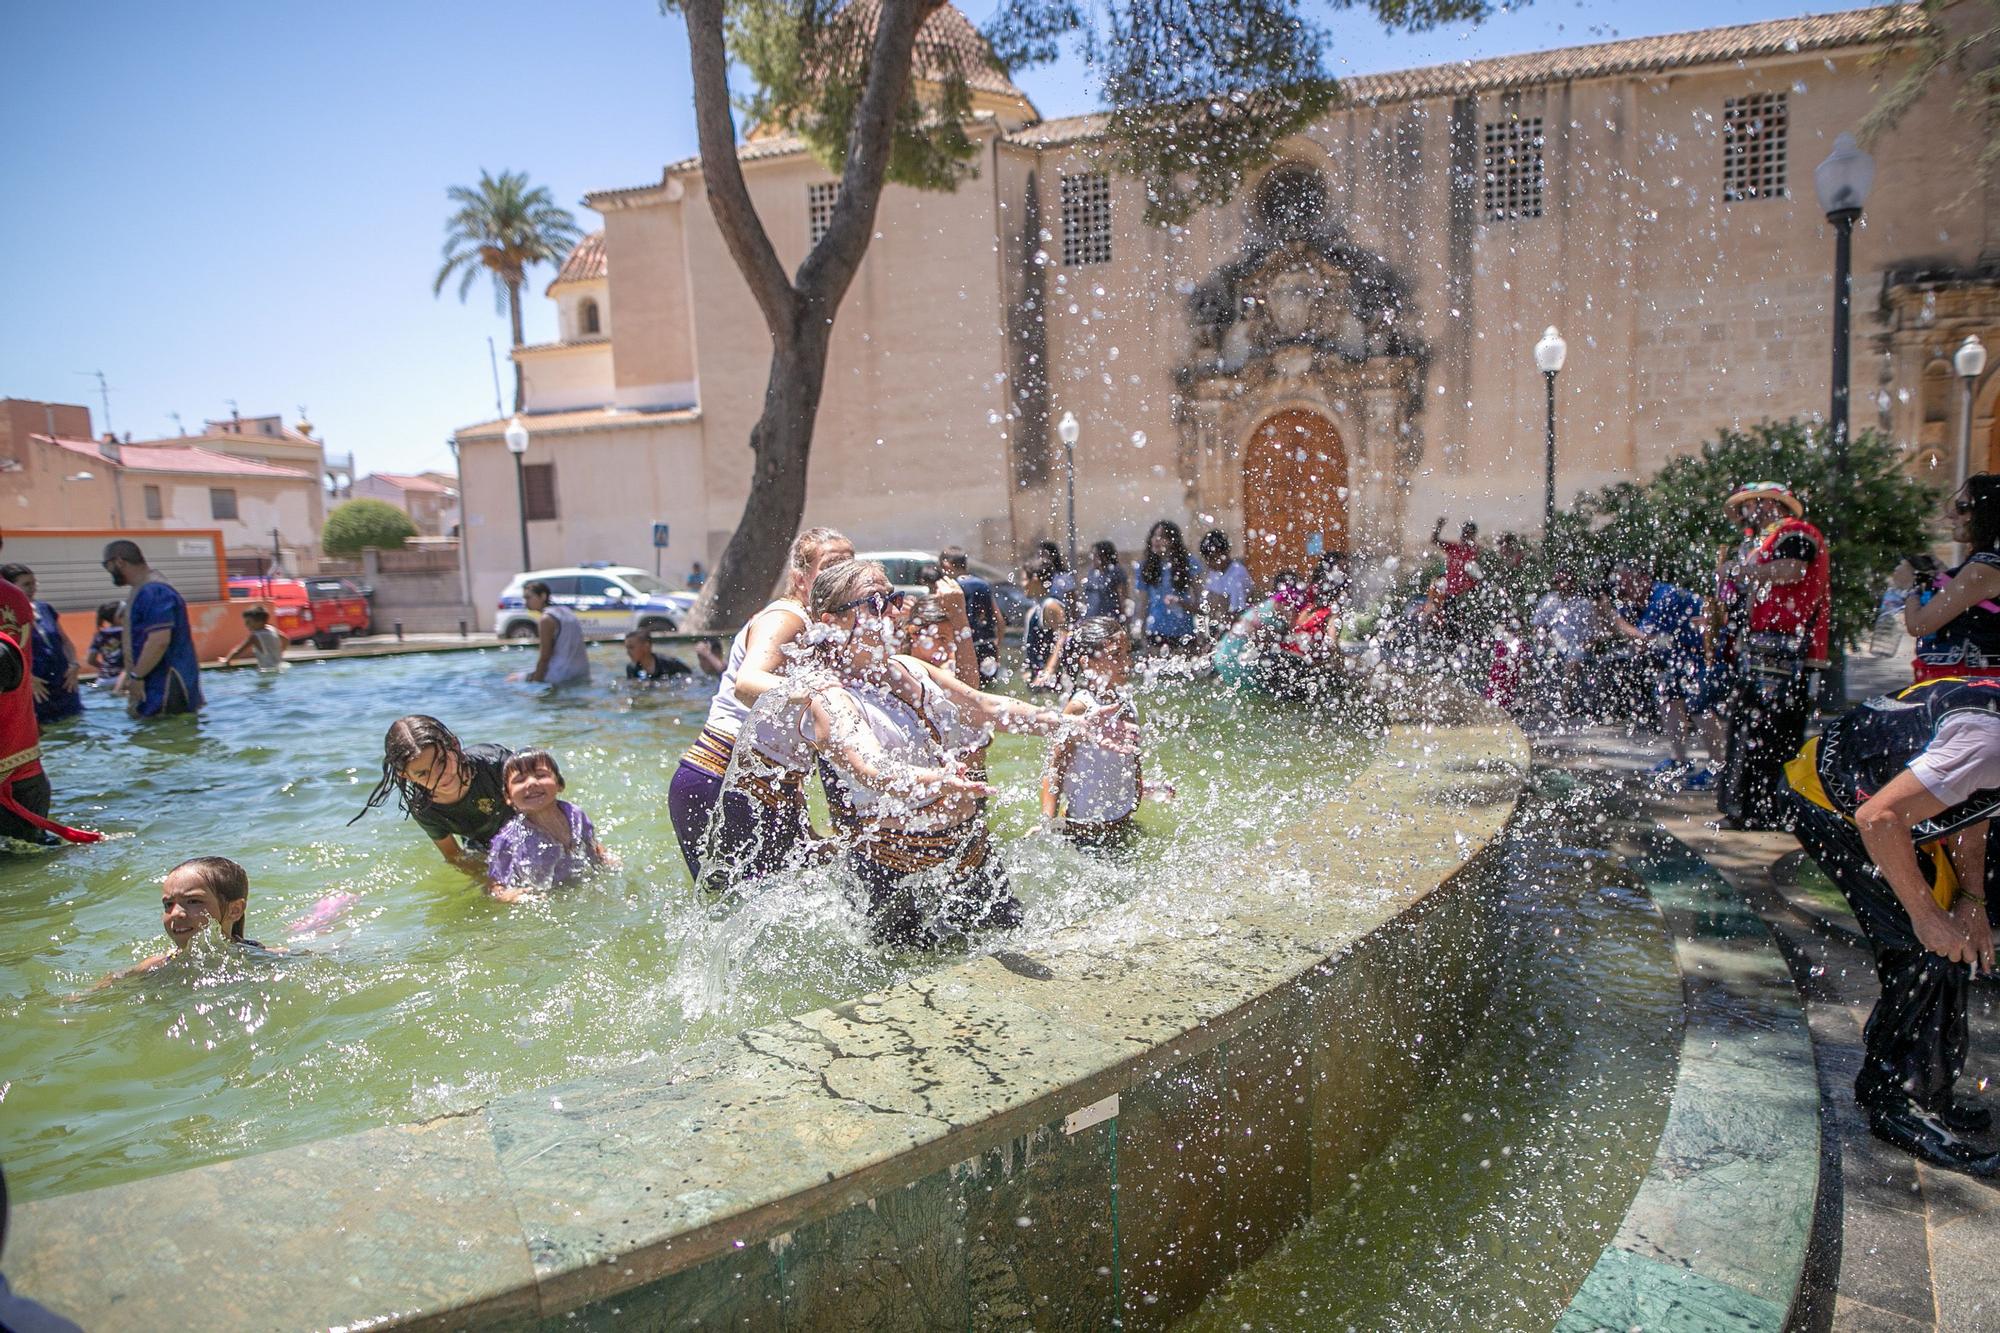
(1764,490)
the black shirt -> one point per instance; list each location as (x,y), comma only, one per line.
(1794,546)
(663,667)
(482,811)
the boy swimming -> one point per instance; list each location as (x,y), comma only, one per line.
(549,842)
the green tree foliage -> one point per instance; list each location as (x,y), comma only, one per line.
(1959,42)
(1673,523)
(502,227)
(362,523)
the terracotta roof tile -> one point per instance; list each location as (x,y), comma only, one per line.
(178,458)
(586,263)
(1813,32)
(405,482)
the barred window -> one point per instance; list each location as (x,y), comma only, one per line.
(1753,147)
(1086,219)
(1514,176)
(221,503)
(540,480)
(153,508)
(820,200)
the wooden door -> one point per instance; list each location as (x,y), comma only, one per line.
(1294,484)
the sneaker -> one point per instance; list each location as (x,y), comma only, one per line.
(1667,766)
(1966,1118)
(1927,1138)
(1701,779)
(1668,774)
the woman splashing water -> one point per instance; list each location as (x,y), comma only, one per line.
(892,729)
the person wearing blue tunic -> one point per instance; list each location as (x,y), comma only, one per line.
(56,670)
(162,674)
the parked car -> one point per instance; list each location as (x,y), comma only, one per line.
(905,567)
(604,597)
(323,609)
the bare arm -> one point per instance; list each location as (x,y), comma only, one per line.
(839,734)
(239,650)
(1884,821)
(764,654)
(1968,859)
(470,862)
(964,656)
(1057,768)
(1971,586)
(154,651)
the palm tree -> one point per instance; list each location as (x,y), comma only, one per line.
(501,227)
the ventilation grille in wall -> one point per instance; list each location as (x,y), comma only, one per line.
(1753,147)
(1514,176)
(1086,219)
(820,200)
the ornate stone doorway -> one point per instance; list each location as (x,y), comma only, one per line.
(1294,493)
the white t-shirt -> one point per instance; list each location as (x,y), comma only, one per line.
(1233,583)
(1963,758)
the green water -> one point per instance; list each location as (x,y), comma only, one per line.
(1502,1187)
(426,996)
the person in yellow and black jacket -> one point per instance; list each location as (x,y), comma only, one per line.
(1893,801)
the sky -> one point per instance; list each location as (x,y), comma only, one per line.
(234,200)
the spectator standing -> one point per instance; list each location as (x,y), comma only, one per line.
(1566,625)
(697,576)
(56,669)
(1668,620)
(562,659)
(1063,582)
(1045,626)
(1780,617)
(1168,590)
(162,673)
(1955,613)
(1105,586)
(1225,583)
(982,610)
(1450,594)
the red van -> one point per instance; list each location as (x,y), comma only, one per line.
(325,610)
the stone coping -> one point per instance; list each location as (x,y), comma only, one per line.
(1717,1235)
(546,1202)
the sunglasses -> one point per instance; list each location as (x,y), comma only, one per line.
(881,603)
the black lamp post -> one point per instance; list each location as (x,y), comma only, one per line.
(1970,363)
(1070,432)
(1550,353)
(1843,182)
(517,445)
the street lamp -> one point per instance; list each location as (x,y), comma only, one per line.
(1843,182)
(1969,361)
(1549,355)
(1069,432)
(517,445)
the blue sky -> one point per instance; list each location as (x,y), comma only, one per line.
(234,199)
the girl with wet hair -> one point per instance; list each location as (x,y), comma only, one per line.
(1167,590)
(200,892)
(1093,789)
(453,791)
(893,731)
(761,817)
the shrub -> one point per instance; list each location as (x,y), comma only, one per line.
(360,523)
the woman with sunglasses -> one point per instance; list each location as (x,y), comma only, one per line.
(1955,614)
(894,731)
(763,816)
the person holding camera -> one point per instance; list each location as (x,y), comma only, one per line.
(1955,613)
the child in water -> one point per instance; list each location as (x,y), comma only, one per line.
(107,647)
(268,644)
(453,791)
(549,841)
(1093,789)
(196,894)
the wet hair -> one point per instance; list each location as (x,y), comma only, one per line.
(528,761)
(954,557)
(407,738)
(809,545)
(1181,571)
(1093,633)
(258,614)
(125,550)
(1215,542)
(1105,553)
(109,612)
(1055,555)
(1982,496)
(13,573)
(840,584)
(929,573)
(645,634)
(229,882)
(536,585)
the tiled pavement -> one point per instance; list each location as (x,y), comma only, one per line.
(1898,1247)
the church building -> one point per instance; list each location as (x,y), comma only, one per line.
(1338,356)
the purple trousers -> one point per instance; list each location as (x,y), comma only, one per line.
(750,840)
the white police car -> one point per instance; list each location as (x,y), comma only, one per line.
(604,597)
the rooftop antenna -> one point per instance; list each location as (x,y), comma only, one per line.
(493,360)
(175,417)
(103,393)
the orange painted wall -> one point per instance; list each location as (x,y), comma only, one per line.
(218,627)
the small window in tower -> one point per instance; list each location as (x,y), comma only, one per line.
(1514,178)
(587,319)
(1086,219)
(540,481)
(820,200)
(1753,147)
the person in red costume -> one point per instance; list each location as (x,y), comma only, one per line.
(1781,620)
(24,788)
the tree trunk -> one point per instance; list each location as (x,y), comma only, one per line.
(514,316)
(754,560)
